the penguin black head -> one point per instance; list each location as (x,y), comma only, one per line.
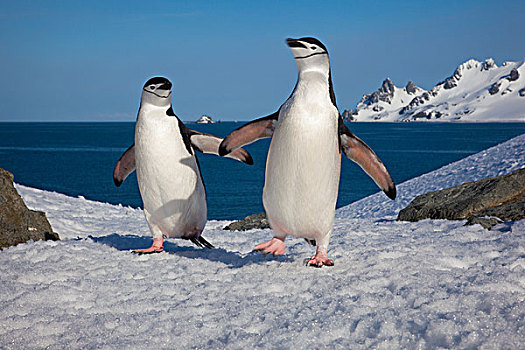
(312,56)
(307,46)
(157,91)
(309,53)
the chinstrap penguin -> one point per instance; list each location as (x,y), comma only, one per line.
(168,173)
(304,159)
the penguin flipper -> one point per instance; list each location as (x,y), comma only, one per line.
(207,143)
(359,152)
(250,132)
(125,166)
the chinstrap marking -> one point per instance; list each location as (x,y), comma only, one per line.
(313,54)
(151,92)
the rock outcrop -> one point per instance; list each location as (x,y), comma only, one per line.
(255,221)
(514,75)
(488,201)
(205,119)
(18,224)
(411,88)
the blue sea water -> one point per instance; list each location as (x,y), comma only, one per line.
(78,159)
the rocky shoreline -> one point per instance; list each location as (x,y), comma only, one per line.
(18,224)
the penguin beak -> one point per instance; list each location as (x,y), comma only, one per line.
(295,43)
(165,86)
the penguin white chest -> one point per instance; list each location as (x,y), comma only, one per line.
(168,175)
(303,165)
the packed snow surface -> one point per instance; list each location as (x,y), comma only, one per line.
(477,91)
(430,284)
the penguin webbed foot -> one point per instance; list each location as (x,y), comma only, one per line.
(275,246)
(147,251)
(320,258)
(318,262)
(156,247)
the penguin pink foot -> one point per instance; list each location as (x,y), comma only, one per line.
(319,259)
(156,247)
(274,246)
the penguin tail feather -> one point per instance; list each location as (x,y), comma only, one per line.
(201,242)
(311,241)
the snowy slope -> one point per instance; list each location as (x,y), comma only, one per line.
(432,284)
(477,91)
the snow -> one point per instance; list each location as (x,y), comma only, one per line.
(386,109)
(466,98)
(430,284)
(205,120)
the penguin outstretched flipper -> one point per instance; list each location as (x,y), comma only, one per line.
(250,132)
(125,166)
(207,143)
(358,151)
(304,159)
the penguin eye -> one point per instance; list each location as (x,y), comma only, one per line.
(152,87)
(313,47)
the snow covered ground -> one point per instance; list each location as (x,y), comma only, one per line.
(431,284)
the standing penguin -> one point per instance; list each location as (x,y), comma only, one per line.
(304,159)
(168,173)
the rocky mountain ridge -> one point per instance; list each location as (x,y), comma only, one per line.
(476,91)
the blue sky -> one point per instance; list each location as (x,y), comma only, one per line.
(87,61)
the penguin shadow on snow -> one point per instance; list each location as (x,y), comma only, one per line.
(173,207)
(229,258)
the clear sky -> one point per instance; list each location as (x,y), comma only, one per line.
(87,61)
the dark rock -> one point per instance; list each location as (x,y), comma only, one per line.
(512,210)
(385,93)
(255,221)
(500,197)
(410,88)
(494,88)
(487,223)
(18,224)
(387,86)
(452,82)
(427,115)
(488,64)
(506,91)
(421,115)
(514,75)
(416,102)
(348,115)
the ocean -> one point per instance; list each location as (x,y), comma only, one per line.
(77,159)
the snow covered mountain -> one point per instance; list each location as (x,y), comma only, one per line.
(477,91)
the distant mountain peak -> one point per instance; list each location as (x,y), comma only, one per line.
(477,90)
(411,88)
(488,64)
